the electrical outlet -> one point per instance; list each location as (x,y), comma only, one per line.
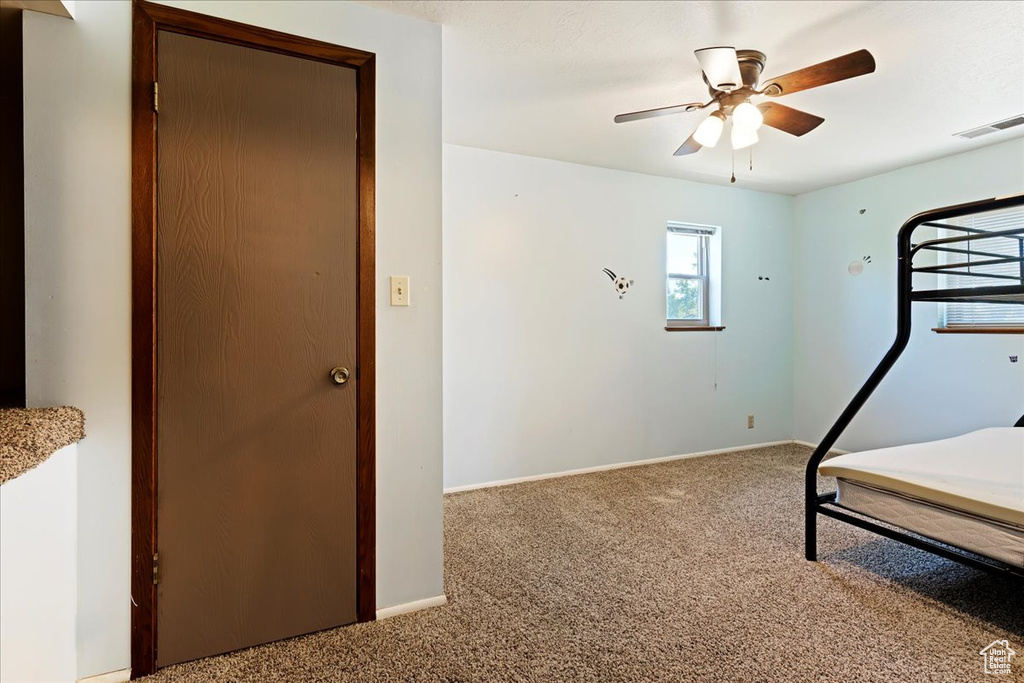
(750,421)
(399,290)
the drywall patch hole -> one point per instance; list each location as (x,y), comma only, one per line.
(857,267)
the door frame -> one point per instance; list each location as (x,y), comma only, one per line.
(147,19)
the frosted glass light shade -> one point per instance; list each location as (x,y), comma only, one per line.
(747,116)
(710,130)
(721,67)
(742,137)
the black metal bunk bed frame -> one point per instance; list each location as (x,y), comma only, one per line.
(827,503)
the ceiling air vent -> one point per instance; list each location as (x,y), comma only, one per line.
(1009,123)
(992,127)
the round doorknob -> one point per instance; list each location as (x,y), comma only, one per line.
(339,375)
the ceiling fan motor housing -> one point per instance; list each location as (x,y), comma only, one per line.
(751,65)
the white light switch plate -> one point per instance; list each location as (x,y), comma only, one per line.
(399,290)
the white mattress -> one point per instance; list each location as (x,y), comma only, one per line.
(981,473)
(985,537)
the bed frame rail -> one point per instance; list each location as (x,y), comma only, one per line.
(825,504)
(830,508)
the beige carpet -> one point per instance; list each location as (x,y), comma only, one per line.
(28,436)
(691,570)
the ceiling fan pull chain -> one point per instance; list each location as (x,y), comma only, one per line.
(751,158)
(733,179)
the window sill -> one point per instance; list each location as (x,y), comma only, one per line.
(979,330)
(695,328)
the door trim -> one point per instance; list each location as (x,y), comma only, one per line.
(147,19)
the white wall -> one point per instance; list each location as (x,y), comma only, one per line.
(77,250)
(38,535)
(547,370)
(943,384)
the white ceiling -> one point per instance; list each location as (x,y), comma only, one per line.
(546,78)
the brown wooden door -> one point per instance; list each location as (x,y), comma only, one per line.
(257,231)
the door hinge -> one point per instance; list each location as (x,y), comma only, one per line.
(156,97)
(156,568)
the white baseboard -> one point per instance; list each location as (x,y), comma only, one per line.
(840,451)
(110,677)
(413,606)
(615,466)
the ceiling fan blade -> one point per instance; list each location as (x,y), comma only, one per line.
(789,120)
(839,69)
(721,67)
(661,111)
(688,147)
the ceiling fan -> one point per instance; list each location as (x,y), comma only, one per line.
(733,77)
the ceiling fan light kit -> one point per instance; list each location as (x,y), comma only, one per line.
(710,129)
(747,116)
(733,77)
(743,137)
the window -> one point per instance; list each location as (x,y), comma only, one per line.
(688,282)
(978,254)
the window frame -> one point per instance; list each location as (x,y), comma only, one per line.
(947,322)
(704,233)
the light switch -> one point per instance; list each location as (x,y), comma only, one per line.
(399,290)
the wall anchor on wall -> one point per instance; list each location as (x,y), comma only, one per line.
(763,277)
(1013,359)
(621,284)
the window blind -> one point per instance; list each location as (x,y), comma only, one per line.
(690,228)
(985,250)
